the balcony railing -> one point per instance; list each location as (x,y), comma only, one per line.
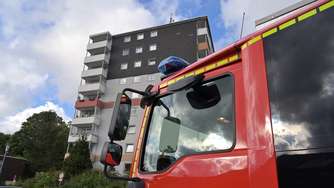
(89,138)
(92,88)
(99,47)
(97,60)
(86,121)
(88,103)
(91,73)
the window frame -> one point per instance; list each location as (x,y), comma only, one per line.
(127,39)
(150,60)
(134,64)
(126,148)
(147,127)
(139,50)
(140,34)
(154,33)
(126,50)
(120,81)
(151,45)
(132,126)
(124,64)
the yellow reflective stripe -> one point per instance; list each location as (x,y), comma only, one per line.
(171,82)
(287,24)
(326,6)
(189,74)
(163,85)
(210,67)
(179,78)
(270,32)
(233,58)
(307,15)
(199,71)
(254,40)
(244,46)
(222,62)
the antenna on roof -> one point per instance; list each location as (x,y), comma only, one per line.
(171,19)
(242,24)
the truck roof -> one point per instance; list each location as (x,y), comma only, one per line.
(231,53)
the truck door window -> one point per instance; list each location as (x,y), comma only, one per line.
(199,130)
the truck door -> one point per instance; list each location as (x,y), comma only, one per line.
(202,142)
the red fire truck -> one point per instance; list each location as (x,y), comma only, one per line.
(256,114)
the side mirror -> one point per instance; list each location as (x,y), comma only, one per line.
(111,154)
(120,119)
(169,135)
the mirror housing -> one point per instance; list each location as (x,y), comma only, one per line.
(120,119)
(204,96)
(111,154)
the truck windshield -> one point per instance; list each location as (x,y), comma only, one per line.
(194,130)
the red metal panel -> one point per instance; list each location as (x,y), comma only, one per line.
(261,153)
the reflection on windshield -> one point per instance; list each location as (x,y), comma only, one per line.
(201,130)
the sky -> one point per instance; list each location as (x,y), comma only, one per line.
(42,43)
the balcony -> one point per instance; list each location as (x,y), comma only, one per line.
(99,47)
(100,37)
(75,137)
(92,88)
(96,60)
(91,74)
(83,122)
(88,103)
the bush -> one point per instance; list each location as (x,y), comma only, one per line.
(41,180)
(93,179)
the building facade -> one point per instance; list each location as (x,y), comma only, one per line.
(129,60)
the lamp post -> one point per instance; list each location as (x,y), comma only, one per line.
(4,158)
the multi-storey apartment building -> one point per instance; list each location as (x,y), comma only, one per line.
(114,62)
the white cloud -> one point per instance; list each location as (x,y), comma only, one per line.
(231,14)
(13,123)
(43,43)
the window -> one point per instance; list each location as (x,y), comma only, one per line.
(129,148)
(123,81)
(139,50)
(137,64)
(140,36)
(132,129)
(202,53)
(150,78)
(136,79)
(127,39)
(127,167)
(151,62)
(125,52)
(188,135)
(154,33)
(124,66)
(201,38)
(153,47)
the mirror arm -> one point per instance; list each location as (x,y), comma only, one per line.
(118,177)
(135,91)
(166,107)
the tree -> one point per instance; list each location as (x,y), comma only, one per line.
(42,140)
(79,159)
(4,138)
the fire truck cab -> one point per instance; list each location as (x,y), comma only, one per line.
(256,114)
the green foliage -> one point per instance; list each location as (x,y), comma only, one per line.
(79,159)
(41,180)
(4,138)
(91,179)
(42,140)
